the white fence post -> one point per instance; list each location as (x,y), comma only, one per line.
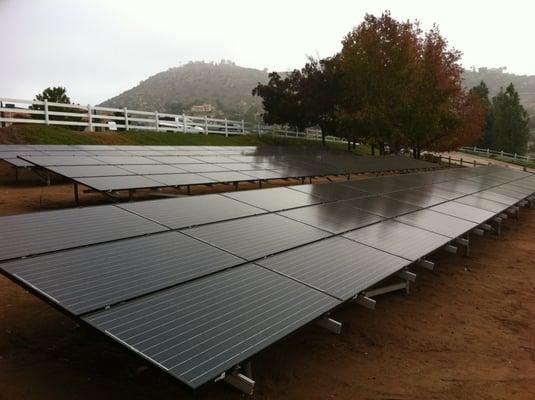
(156,121)
(285,131)
(242,127)
(226,128)
(125,118)
(206,124)
(47,121)
(89,117)
(184,123)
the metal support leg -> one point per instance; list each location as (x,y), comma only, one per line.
(330,324)
(76,199)
(498,222)
(48,178)
(465,243)
(426,264)
(240,378)
(17,174)
(450,248)
(365,301)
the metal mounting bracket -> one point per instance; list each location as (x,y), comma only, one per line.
(450,248)
(426,264)
(239,378)
(330,324)
(365,301)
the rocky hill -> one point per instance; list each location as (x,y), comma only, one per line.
(227,87)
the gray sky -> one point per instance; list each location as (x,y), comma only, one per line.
(100,48)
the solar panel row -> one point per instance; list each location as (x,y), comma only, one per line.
(113,168)
(243,269)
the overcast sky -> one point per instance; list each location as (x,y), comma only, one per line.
(100,48)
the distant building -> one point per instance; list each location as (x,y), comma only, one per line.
(203,108)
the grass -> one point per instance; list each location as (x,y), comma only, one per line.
(42,134)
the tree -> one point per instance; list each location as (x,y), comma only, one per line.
(377,63)
(510,122)
(404,87)
(55,94)
(482,92)
(304,98)
(281,100)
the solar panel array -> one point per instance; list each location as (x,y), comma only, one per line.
(198,285)
(113,168)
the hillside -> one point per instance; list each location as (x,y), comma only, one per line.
(228,87)
(498,77)
(225,85)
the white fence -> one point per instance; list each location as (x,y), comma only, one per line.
(89,117)
(495,154)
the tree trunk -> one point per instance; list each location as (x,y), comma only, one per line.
(382,148)
(323,137)
(348,145)
(373,149)
(354,145)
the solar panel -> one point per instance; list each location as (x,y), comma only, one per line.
(257,236)
(337,266)
(48,161)
(200,329)
(126,160)
(90,278)
(507,191)
(375,186)
(228,176)
(271,174)
(332,217)
(434,191)
(90,171)
(28,234)
(437,222)
(416,197)
(383,206)
(484,204)
(180,179)
(110,183)
(174,159)
(500,198)
(202,168)
(191,211)
(152,169)
(399,239)
(330,191)
(464,211)
(274,199)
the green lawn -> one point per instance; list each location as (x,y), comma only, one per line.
(42,134)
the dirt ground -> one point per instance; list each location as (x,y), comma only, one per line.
(466,331)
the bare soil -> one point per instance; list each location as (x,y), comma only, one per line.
(466,331)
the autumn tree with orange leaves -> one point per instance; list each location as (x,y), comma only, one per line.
(403,87)
(391,84)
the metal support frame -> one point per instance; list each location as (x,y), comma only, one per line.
(325,321)
(465,242)
(240,378)
(387,289)
(498,222)
(425,264)
(450,248)
(365,301)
